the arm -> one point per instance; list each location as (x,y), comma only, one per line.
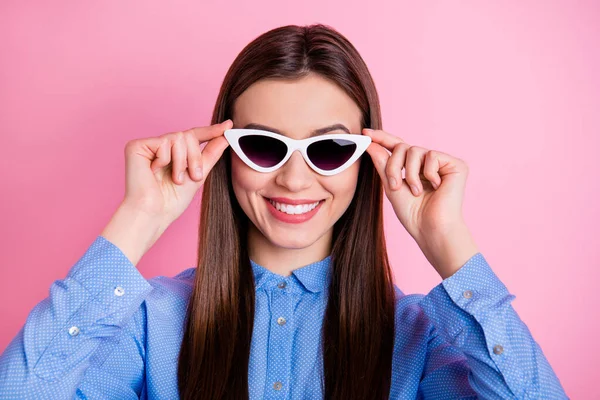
(471,311)
(76,327)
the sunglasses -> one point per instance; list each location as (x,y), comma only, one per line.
(266,151)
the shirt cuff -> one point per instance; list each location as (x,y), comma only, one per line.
(474,291)
(108,275)
(470,304)
(115,290)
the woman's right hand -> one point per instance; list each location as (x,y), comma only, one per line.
(164,173)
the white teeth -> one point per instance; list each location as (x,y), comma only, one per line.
(292,210)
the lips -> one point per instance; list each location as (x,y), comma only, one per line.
(293,202)
(292,218)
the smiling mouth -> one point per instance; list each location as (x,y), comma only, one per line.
(291,202)
(298,209)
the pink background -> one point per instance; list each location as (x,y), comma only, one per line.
(512,87)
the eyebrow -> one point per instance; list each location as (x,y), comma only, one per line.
(316,132)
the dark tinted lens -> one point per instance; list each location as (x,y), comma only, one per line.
(263,150)
(330,154)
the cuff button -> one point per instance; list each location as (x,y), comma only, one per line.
(73,331)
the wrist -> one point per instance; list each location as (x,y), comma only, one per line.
(132,231)
(449,252)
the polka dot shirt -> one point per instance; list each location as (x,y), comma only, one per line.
(105,332)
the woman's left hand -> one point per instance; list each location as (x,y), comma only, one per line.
(432,212)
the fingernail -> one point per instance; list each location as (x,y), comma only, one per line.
(435,185)
(393,182)
(415,190)
(180,177)
(199,172)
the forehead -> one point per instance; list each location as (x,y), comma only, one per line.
(296,107)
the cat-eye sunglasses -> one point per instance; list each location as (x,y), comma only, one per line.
(327,154)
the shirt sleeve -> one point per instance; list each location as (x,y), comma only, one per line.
(478,343)
(76,327)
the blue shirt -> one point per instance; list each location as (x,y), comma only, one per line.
(105,332)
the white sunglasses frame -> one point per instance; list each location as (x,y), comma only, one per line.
(233,136)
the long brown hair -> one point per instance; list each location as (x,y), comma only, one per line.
(358,329)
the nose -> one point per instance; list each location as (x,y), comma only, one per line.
(296,175)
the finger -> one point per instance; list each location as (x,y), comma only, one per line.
(163,155)
(179,157)
(194,157)
(383,138)
(395,164)
(431,168)
(380,157)
(146,147)
(205,133)
(212,152)
(452,169)
(414,160)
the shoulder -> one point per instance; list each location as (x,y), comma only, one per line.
(176,288)
(413,332)
(410,316)
(406,302)
(164,308)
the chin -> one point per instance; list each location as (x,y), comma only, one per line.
(298,241)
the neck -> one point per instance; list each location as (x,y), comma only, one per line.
(283,260)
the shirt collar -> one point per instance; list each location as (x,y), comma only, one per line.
(314,277)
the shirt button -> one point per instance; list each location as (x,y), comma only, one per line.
(73,331)
(281,321)
(498,349)
(277,385)
(281,285)
(467,294)
(119,291)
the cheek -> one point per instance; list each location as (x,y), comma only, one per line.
(245,180)
(344,184)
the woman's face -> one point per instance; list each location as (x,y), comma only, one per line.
(294,109)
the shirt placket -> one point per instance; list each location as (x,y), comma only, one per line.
(279,355)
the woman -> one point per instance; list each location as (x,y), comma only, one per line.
(286,301)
